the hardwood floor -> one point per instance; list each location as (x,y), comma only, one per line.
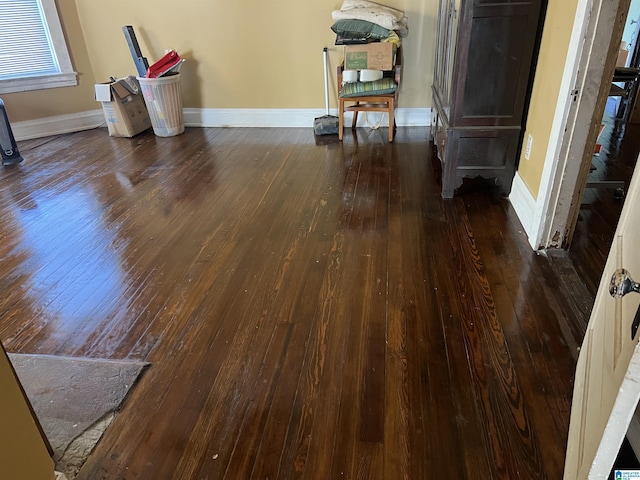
(310,311)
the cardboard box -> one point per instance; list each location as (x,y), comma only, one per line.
(370,56)
(123,106)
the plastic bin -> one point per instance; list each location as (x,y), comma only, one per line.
(164,103)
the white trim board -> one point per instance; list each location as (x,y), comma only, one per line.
(569,140)
(249,117)
(213,117)
(550,195)
(45,127)
(533,211)
(524,205)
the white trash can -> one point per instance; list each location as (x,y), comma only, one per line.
(164,103)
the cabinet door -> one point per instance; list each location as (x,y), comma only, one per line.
(445,49)
(499,40)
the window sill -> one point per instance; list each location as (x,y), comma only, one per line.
(39,83)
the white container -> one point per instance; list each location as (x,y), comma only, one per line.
(164,103)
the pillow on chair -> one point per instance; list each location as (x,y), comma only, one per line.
(384,86)
(349,27)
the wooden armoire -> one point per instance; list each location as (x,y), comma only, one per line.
(485,54)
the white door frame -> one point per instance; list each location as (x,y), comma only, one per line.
(596,35)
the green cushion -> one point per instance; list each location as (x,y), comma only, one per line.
(383,86)
(350,27)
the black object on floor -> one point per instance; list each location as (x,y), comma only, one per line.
(10,153)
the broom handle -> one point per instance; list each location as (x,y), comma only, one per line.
(326,81)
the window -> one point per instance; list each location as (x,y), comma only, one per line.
(34,53)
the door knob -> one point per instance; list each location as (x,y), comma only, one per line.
(622,283)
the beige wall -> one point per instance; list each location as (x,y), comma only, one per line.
(251,54)
(23,453)
(546,87)
(240,54)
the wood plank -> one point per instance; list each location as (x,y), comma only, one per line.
(310,311)
(527,341)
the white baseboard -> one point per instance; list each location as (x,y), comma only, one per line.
(213,117)
(525,206)
(45,127)
(247,117)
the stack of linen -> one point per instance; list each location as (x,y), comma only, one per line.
(360,22)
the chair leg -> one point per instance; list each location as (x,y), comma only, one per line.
(340,118)
(354,120)
(392,120)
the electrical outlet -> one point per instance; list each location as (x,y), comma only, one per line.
(527,150)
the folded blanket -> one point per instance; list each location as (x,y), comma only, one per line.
(386,17)
(353,4)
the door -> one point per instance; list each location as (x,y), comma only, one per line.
(607,382)
(24,449)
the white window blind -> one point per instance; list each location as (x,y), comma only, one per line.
(33,52)
(26,48)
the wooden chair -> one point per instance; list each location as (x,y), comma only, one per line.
(370,103)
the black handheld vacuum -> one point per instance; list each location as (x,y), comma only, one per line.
(327,124)
(10,154)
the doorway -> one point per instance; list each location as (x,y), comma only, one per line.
(586,80)
(598,212)
(613,161)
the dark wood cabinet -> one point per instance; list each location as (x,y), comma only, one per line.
(485,51)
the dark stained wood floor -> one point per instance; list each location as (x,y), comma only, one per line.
(310,311)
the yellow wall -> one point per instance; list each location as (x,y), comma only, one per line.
(23,453)
(546,87)
(257,54)
(240,54)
